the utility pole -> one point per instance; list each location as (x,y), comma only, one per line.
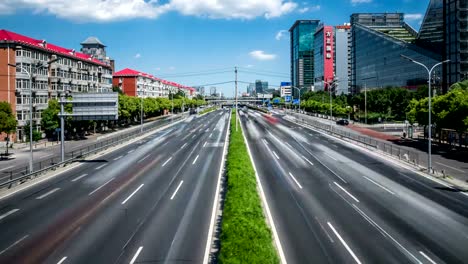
(365,101)
(237,113)
(62,128)
(141,114)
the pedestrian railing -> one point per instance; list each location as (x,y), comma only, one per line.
(22,174)
(366,141)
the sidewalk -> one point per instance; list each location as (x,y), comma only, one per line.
(444,160)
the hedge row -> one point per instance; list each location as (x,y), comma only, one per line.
(245,236)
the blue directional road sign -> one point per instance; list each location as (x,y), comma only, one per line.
(287,98)
(296,101)
(276,101)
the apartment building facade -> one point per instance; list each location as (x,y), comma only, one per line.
(32,69)
(140,84)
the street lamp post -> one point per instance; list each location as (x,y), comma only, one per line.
(299,92)
(329,83)
(429,73)
(31,169)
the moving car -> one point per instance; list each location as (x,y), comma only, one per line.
(342,122)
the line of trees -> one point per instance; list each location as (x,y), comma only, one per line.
(7,121)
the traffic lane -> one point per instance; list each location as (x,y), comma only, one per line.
(37,214)
(304,205)
(121,223)
(449,197)
(178,229)
(402,213)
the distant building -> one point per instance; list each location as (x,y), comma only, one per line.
(213,91)
(200,90)
(140,84)
(341,60)
(323,58)
(251,88)
(260,86)
(285,89)
(302,53)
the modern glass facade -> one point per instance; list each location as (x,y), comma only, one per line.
(377,62)
(323,57)
(302,53)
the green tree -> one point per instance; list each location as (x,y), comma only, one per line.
(7,120)
(50,120)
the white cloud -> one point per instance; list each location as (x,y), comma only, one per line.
(249,66)
(114,10)
(158,69)
(309,8)
(261,55)
(281,34)
(303,10)
(412,17)
(171,68)
(355,2)
(137,56)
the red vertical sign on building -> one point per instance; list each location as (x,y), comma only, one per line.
(329,53)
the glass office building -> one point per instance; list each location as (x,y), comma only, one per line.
(377,43)
(302,53)
(323,57)
(342,68)
(455,41)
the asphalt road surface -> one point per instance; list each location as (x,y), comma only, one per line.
(334,203)
(148,202)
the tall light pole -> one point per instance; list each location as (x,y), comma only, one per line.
(429,80)
(31,169)
(237,112)
(365,95)
(330,83)
(299,92)
(141,114)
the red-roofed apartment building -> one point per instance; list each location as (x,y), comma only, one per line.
(140,84)
(54,70)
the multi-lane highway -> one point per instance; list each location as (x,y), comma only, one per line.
(147,202)
(334,203)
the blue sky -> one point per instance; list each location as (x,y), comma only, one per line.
(170,38)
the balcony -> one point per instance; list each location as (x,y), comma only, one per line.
(21,59)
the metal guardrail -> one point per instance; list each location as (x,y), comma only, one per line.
(22,174)
(369,142)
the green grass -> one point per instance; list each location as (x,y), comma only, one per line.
(207,110)
(245,236)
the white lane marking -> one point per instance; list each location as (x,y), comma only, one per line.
(133,193)
(382,231)
(216,197)
(183,146)
(47,193)
(145,157)
(427,257)
(344,243)
(264,141)
(62,260)
(14,244)
(298,184)
(194,135)
(175,192)
(195,160)
(7,168)
(169,159)
(289,145)
(47,156)
(205,144)
(324,230)
(330,157)
(100,167)
(308,160)
(274,153)
(79,177)
(119,157)
(344,190)
(378,184)
(136,255)
(449,167)
(101,186)
(130,151)
(8,213)
(210,135)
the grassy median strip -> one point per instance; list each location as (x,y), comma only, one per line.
(245,236)
(207,110)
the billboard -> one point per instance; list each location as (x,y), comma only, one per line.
(95,106)
(285,84)
(287,98)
